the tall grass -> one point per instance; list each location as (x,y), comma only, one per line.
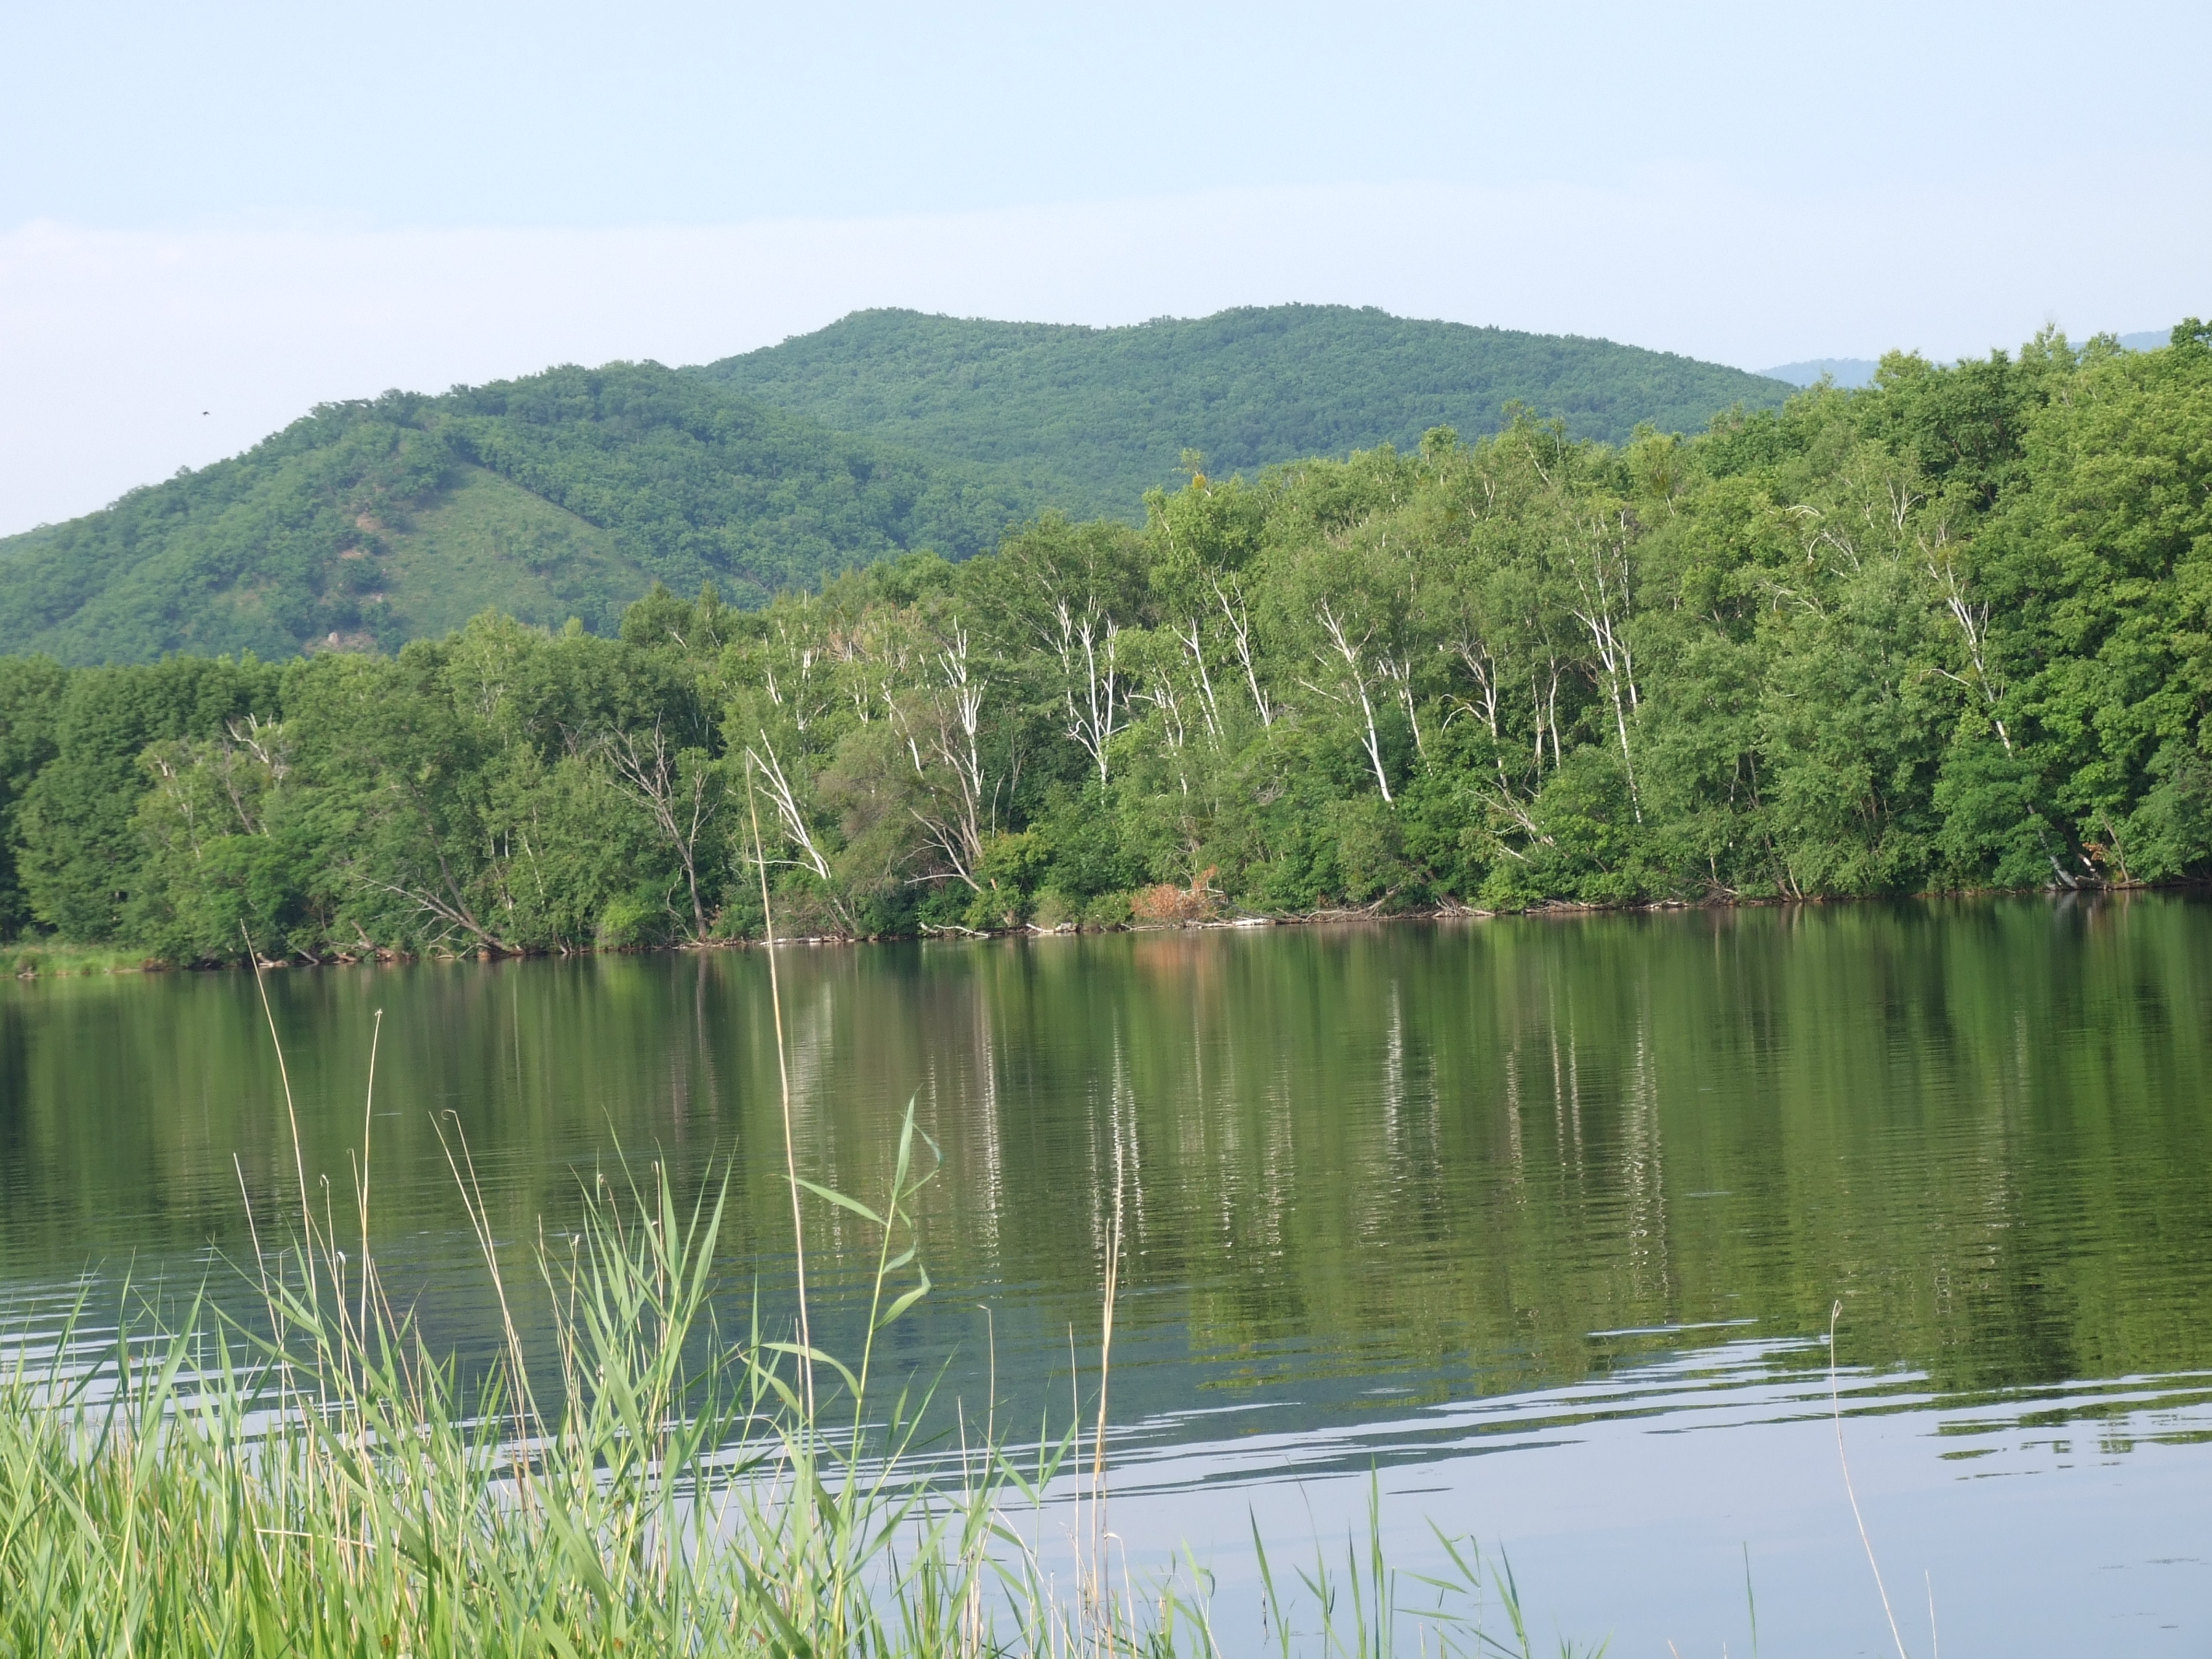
(319,1481)
(52,959)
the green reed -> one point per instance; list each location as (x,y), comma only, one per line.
(322,1483)
(50,959)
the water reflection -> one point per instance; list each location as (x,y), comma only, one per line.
(1393,1195)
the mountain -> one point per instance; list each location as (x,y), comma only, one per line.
(1845,371)
(567,494)
(1093,418)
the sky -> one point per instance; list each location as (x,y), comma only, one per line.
(214,217)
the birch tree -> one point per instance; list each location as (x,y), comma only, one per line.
(1093,691)
(679,791)
(1598,559)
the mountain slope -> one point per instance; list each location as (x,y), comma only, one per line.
(563,494)
(566,494)
(1092,417)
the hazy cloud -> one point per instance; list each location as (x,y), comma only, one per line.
(113,343)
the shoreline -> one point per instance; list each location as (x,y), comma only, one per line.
(46,960)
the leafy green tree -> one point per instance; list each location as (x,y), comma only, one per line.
(80,858)
(30,699)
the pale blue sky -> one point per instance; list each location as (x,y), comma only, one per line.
(245,207)
(409,114)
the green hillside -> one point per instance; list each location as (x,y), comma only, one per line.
(565,494)
(1092,417)
(568,493)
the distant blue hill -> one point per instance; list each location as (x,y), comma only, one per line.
(1845,371)
(1859,371)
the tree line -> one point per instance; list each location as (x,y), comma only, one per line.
(1949,632)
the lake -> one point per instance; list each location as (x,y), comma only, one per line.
(1536,1223)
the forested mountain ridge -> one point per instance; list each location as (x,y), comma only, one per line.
(564,494)
(1951,631)
(1094,417)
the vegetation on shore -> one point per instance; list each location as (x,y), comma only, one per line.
(47,959)
(1948,632)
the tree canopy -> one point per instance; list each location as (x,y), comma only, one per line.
(1951,631)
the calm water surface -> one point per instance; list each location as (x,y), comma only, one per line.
(1538,1221)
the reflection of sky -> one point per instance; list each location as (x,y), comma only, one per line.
(1637,1526)
(2051,1520)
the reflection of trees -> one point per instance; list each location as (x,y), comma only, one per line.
(1453,1153)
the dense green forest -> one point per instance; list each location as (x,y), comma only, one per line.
(1092,418)
(569,493)
(1949,631)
